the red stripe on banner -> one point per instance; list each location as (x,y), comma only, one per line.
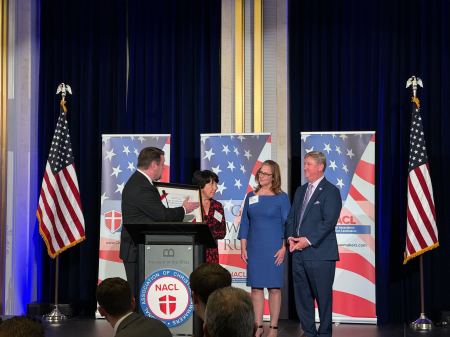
(72,185)
(168,140)
(165,174)
(59,211)
(352,305)
(110,255)
(44,231)
(416,231)
(354,193)
(366,171)
(233,260)
(423,216)
(51,217)
(73,215)
(423,183)
(372,139)
(357,264)
(256,167)
(269,139)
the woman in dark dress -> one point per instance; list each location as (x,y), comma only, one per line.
(213,211)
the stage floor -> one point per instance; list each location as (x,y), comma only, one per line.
(89,327)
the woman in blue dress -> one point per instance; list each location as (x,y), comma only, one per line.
(262,242)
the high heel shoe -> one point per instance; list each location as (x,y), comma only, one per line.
(273,331)
(262,332)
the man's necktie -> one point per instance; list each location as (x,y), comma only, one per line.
(305,202)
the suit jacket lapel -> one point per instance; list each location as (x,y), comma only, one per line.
(315,195)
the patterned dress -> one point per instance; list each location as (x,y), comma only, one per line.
(218,228)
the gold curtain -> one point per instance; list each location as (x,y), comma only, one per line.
(3,148)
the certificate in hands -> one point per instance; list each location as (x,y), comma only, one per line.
(173,195)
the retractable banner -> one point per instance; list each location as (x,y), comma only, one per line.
(351,168)
(119,161)
(235,158)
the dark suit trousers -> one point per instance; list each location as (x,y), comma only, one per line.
(313,280)
(131,270)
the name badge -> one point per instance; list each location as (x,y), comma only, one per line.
(218,216)
(253,200)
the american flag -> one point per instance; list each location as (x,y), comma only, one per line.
(351,168)
(61,221)
(421,232)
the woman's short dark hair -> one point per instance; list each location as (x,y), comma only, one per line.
(201,178)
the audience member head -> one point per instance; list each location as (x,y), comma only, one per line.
(114,299)
(151,161)
(204,280)
(21,326)
(229,312)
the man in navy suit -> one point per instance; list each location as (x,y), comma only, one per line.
(141,204)
(310,229)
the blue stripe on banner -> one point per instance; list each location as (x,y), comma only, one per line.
(351,229)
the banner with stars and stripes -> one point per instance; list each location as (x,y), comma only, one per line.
(351,167)
(119,161)
(235,158)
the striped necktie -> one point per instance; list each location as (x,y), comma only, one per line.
(304,204)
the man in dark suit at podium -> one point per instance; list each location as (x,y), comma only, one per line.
(141,203)
(310,228)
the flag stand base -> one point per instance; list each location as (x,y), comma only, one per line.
(422,323)
(55,316)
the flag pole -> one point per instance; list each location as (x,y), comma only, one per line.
(56,316)
(423,323)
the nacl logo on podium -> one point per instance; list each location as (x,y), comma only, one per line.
(166,296)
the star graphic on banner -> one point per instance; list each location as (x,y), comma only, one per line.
(225,149)
(131,166)
(141,139)
(136,152)
(105,139)
(243,169)
(333,135)
(103,198)
(333,164)
(110,154)
(343,137)
(116,171)
(204,138)
(221,188)
(327,148)
(247,154)
(237,183)
(236,150)
(126,150)
(227,205)
(338,149)
(241,138)
(310,149)
(350,153)
(344,167)
(209,154)
(231,166)
(216,169)
(119,188)
(340,183)
(304,137)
